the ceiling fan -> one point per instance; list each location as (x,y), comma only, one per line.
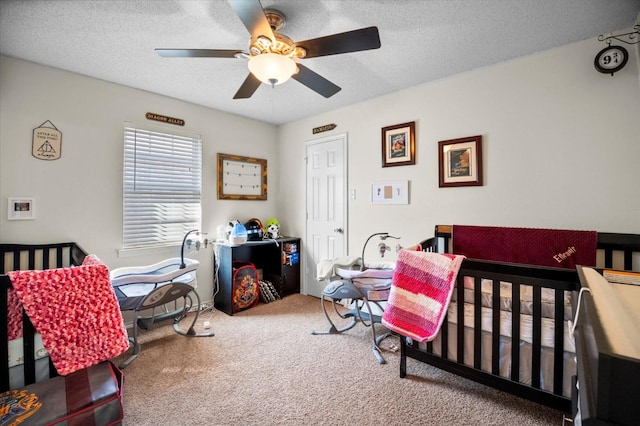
(273,57)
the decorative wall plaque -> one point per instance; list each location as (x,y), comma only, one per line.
(165,119)
(47,142)
(324,128)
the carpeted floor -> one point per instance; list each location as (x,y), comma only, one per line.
(264,367)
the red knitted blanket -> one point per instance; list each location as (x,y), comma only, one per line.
(420,293)
(76,311)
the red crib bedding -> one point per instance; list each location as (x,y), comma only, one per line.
(557,248)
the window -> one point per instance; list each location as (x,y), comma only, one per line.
(162,187)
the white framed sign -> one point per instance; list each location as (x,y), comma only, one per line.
(21,209)
(393,192)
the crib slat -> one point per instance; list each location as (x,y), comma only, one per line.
(28,348)
(16,260)
(5,283)
(477,321)
(537,337)
(628,260)
(515,332)
(31,252)
(558,342)
(495,337)
(60,258)
(460,306)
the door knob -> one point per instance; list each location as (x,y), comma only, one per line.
(338,230)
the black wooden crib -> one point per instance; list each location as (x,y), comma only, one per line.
(15,257)
(31,389)
(533,355)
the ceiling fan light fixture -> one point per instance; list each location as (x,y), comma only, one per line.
(272,68)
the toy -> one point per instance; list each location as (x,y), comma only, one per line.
(273,228)
(255,230)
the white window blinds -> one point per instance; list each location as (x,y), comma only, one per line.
(162,187)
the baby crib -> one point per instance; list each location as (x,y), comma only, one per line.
(24,359)
(28,377)
(530,354)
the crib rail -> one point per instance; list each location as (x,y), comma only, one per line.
(627,244)
(29,257)
(560,280)
(611,246)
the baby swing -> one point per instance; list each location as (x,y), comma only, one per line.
(361,288)
(160,285)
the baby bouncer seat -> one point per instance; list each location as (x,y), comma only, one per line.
(364,291)
(168,285)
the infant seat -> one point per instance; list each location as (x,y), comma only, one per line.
(142,288)
(363,288)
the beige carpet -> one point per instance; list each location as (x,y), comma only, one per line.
(263,367)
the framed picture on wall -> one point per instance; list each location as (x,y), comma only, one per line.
(393,192)
(460,162)
(21,209)
(398,145)
(241,178)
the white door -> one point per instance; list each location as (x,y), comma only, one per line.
(326,206)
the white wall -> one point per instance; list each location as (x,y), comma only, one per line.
(79,196)
(561,149)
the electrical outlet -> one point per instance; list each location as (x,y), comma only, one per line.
(207,324)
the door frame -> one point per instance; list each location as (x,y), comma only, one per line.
(345,191)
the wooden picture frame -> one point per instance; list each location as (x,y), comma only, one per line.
(460,162)
(241,178)
(398,145)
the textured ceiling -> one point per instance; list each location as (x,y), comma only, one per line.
(421,41)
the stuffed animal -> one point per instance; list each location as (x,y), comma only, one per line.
(273,228)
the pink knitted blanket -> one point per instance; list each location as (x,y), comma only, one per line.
(421,290)
(76,311)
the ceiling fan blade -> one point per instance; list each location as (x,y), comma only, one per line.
(198,53)
(252,16)
(315,82)
(250,85)
(350,41)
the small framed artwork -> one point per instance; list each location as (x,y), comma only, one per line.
(21,209)
(241,178)
(393,192)
(460,162)
(398,145)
